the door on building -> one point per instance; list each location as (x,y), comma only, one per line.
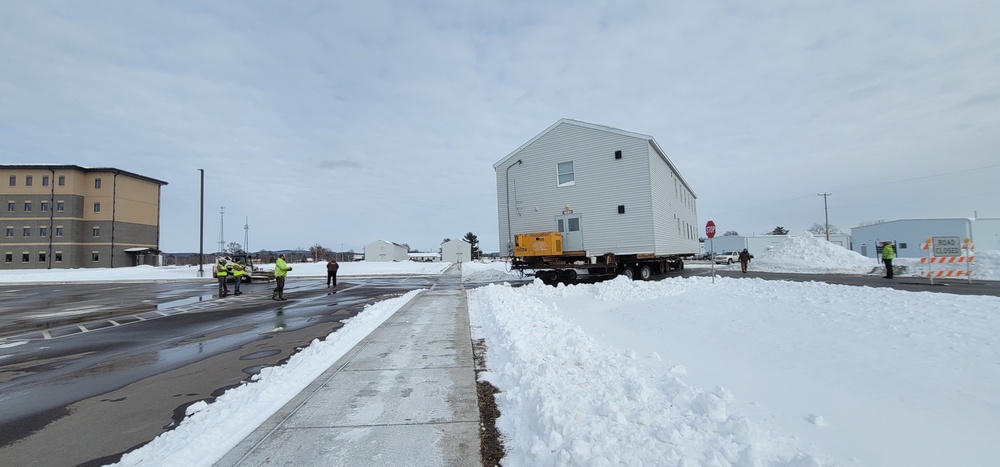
(569,226)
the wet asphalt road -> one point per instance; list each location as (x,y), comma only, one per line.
(89,371)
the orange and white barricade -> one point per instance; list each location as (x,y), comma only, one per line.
(950,266)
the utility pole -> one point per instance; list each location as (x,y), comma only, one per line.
(246,236)
(201,227)
(826,214)
(222,225)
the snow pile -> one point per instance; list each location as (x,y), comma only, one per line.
(575,400)
(740,372)
(212,430)
(813,255)
(488,272)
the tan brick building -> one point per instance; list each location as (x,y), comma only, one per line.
(67,216)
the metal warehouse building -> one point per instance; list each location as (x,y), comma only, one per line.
(909,234)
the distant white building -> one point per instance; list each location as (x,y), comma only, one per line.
(909,234)
(456,251)
(760,243)
(425,257)
(383,251)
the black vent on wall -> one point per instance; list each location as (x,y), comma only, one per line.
(618,154)
(621,209)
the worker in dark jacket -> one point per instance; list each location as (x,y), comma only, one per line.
(745,259)
(331,272)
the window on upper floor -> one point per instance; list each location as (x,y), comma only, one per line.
(97,207)
(45,180)
(27,206)
(44,206)
(59,231)
(13,180)
(27,232)
(62,180)
(60,206)
(96,231)
(10,231)
(43,231)
(97,183)
(28,180)
(565,173)
(10,206)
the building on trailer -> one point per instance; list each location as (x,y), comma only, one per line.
(456,251)
(605,191)
(383,251)
(909,234)
(67,216)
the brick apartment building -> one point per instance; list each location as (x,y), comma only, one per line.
(67,216)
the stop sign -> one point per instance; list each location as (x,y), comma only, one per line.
(710,229)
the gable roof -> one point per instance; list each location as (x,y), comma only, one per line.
(605,128)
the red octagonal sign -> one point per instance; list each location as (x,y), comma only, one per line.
(710,229)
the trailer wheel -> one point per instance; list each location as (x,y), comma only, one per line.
(568,275)
(645,272)
(627,272)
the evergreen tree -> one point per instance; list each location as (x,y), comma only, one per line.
(474,241)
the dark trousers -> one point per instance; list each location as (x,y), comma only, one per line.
(331,276)
(888,267)
(743,265)
(279,288)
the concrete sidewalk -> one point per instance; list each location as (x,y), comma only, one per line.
(406,395)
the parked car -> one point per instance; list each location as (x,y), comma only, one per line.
(727,257)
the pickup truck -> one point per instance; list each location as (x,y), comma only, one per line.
(727,257)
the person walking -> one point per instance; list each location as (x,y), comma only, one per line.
(331,272)
(238,270)
(887,255)
(745,260)
(222,273)
(280,270)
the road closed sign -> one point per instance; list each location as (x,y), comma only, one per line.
(946,246)
(710,229)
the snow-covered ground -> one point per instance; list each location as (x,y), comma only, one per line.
(689,371)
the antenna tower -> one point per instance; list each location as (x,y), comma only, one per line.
(246,236)
(222,225)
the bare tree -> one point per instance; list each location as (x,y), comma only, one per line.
(820,229)
(318,253)
(731,233)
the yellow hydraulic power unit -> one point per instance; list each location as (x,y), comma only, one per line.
(538,244)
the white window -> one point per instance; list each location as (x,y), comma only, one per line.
(96,231)
(565,173)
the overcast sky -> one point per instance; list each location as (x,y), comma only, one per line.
(341,123)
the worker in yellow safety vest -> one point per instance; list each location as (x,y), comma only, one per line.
(238,270)
(222,273)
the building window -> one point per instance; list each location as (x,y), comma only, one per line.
(44,207)
(27,206)
(43,231)
(10,231)
(27,231)
(565,170)
(8,257)
(97,183)
(10,206)
(97,207)
(59,231)
(95,256)
(27,180)
(57,256)
(41,256)
(45,180)
(62,180)
(60,206)
(96,231)
(25,257)
(13,180)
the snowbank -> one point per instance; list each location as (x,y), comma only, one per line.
(813,255)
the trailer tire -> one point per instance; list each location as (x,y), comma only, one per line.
(627,272)
(645,272)
(567,275)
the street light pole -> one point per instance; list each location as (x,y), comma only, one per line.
(201,231)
